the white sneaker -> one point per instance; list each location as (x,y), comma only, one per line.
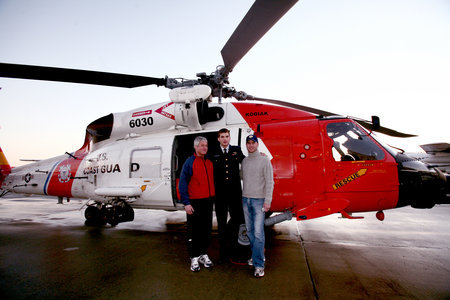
(204,260)
(259,272)
(195,267)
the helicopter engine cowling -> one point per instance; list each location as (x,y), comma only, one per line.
(140,121)
(186,101)
(189,108)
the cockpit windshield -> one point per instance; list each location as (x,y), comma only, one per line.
(350,143)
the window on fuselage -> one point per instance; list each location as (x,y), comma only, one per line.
(146,163)
(350,143)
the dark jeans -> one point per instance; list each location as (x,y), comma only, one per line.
(199,226)
(228,201)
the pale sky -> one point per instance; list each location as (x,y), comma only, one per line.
(389,58)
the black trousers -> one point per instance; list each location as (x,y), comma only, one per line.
(228,200)
(199,226)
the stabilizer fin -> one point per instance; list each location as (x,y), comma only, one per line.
(5,168)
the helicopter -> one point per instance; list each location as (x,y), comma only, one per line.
(323,163)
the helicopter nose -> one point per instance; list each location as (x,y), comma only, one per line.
(421,186)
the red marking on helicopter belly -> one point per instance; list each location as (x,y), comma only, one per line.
(61,180)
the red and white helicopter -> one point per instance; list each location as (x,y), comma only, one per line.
(323,163)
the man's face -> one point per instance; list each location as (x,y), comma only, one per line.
(202,148)
(224,139)
(252,146)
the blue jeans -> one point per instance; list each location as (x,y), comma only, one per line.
(254,221)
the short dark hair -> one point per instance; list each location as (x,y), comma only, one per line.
(223,130)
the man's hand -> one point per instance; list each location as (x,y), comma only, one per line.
(266,207)
(189,209)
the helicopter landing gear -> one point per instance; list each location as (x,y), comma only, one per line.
(113,212)
(94,215)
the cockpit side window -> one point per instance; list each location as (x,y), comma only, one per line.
(351,143)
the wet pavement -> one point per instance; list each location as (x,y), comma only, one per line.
(47,252)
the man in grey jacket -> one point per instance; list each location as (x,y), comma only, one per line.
(257,175)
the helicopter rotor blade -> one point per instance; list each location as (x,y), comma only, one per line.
(384,130)
(366,124)
(259,19)
(295,106)
(77,76)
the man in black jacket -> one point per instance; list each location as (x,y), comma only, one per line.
(226,160)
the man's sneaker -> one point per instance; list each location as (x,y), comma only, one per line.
(204,260)
(195,267)
(259,272)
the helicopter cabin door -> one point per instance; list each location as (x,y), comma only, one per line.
(296,151)
(357,168)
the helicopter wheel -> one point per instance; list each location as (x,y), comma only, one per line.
(113,216)
(93,216)
(128,213)
(121,212)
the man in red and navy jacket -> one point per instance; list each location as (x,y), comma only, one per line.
(197,193)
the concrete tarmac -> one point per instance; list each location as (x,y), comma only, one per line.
(46,251)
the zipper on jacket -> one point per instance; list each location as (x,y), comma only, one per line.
(207,176)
